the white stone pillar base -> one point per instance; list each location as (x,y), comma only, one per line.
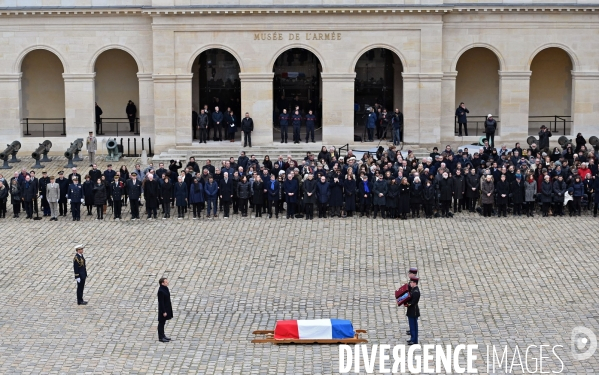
(338,108)
(514,95)
(257,99)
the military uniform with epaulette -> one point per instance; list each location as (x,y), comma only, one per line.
(80,274)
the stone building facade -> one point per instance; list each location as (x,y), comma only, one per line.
(511,59)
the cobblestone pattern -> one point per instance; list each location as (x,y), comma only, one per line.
(508,281)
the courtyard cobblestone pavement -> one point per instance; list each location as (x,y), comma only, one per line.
(509,281)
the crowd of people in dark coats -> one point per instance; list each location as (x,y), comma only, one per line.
(384,184)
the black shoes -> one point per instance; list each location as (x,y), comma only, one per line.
(163,340)
(82,303)
(408,333)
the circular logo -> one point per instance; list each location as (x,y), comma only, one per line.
(584,343)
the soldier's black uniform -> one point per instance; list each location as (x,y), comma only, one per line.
(81,274)
(116,192)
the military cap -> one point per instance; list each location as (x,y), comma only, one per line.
(133,174)
(414,278)
(413,270)
(79,246)
(61,172)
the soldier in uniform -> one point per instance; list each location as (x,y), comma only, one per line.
(63,184)
(165,308)
(80,273)
(413,311)
(413,271)
(296,122)
(75,198)
(116,192)
(310,125)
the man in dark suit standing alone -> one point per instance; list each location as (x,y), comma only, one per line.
(133,188)
(413,311)
(165,308)
(80,273)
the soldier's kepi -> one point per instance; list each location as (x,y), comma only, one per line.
(80,273)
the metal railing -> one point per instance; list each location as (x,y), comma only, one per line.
(132,142)
(555,123)
(344,147)
(47,125)
(476,124)
(114,126)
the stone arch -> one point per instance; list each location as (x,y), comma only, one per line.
(205,48)
(566,49)
(138,61)
(498,54)
(297,45)
(402,58)
(21,57)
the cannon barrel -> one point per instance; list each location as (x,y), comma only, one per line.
(111,144)
(11,148)
(37,154)
(530,140)
(71,150)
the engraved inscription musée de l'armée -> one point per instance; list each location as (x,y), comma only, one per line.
(297,36)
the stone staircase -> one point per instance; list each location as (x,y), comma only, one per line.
(216,151)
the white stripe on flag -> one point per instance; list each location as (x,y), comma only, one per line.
(315,329)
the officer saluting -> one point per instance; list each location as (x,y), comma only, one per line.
(413,311)
(80,273)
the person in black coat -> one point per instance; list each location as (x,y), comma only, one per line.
(416,189)
(445,194)
(309,196)
(180,191)
(99,198)
(15,197)
(258,193)
(88,194)
(336,195)
(247,127)
(131,111)
(80,270)
(349,193)
(428,199)
(323,192)
(544,135)
(546,195)
(29,192)
(517,194)
(133,189)
(502,189)
(75,198)
(291,192)
(165,308)
(413,311)
(404,198)
(559,190)
(472,190)
(460,114)
(226,192)
(365,195)
(166,195)
(151,195)
(272,191)
(63,184)
(392,199)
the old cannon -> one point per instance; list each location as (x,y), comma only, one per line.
(114,153)
(72,152)
(11,149)
(42,149)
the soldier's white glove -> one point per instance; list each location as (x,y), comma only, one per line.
(78,280)
(69,201)
(82,200)
(41,197)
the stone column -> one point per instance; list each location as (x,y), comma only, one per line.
(10,108)
(257,99)
(411,108)
(79,97)
(145,107)
(448,106)
(585,110)
(514,90)
(184,108)
(164,111)
(422,108)
(338,108)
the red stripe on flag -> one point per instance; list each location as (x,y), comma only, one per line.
(286,329)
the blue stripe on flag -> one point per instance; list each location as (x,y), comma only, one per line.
(342,329)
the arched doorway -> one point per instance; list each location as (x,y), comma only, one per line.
(297,83)
(116,84)
(215,84)
(42,95)
(550,100)
(477,85)
(379,84)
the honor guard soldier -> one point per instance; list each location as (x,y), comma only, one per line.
(310,126)
(413,311)
(133,189)
(296,122)
(75,198)
(116,192)
(80,273)
(413,271)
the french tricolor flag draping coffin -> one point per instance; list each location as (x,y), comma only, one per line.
(314,329)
